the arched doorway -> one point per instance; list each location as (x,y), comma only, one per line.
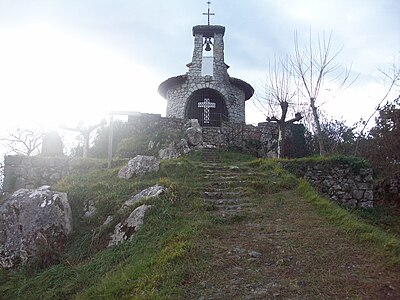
(207,106)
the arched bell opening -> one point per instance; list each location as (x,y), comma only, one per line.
(208,106)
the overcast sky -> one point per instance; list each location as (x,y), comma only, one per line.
(65,60)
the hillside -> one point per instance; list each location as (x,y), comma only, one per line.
(228,227)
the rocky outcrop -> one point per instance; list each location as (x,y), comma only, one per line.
(175,150)
(89,208)
(150,192)
(194,133)
(193,140)
(125,230)
(138,166)
(30,221)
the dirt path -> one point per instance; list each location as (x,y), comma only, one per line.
(275,246)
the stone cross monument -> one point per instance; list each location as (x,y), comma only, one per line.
(207,92)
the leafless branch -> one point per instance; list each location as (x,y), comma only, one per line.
(23,141)
(313,68)
(280,90)
(393,77)
(85,132)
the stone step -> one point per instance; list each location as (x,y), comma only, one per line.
(221,195)
(226,213)
(219,175)
(222,185)
(212,164)
(223,189)
(222,182)
(244,202)
(222,201)
(227,208)
(212,169)
(219,170)
(226,184)
(230,179)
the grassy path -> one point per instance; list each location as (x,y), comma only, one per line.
(267,242)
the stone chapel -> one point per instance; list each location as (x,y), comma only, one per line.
(207,92)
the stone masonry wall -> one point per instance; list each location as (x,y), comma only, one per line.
(258,140)
(35,171)
(338,181)
(148,123)
(387,191)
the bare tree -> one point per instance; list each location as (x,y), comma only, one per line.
(279,91)
(85,132)
(392,76)
(313,67)
(23,141)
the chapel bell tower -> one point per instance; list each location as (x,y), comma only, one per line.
(207,92)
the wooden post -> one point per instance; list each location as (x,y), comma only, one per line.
(110,141)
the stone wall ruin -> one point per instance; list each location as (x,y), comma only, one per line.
(339,181)
(34,171)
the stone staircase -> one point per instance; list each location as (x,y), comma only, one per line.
(223,185)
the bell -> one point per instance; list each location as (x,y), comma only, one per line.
(208,47)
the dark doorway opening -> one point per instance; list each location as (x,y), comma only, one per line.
(207,106)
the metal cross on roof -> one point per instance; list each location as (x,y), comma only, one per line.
(208,13)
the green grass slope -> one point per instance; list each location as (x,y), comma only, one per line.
(183,242)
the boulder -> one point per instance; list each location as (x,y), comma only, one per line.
(125,230)
(194,133)
(174,150)
(150,192)
(138,166)
(108,220)
(30,221)
(89,209)
(150,145)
